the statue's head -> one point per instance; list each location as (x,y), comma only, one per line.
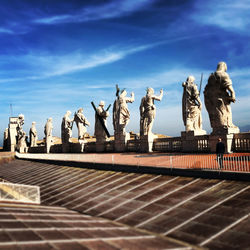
(102,103)
(33,123)
(80,110)
(50,119)
(68,113)
(21,117)
(150,91)
(123,92)
(222,66)
(190,79)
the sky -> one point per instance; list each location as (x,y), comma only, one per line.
(61,55)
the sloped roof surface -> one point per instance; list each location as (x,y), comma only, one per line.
(42,227)
(203,212)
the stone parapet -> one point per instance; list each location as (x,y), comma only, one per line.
(187,142)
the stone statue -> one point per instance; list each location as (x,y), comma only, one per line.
(100,133)
(20,122)
(219,94)
(21,135)
(81,123)
(22,144)
(33,135)
(191,105)
(48,134)
(6,139)
(121,115)
(148,111)
(66,128)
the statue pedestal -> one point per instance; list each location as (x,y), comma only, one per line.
(191,134)
(227,139)
(48,144)
(23,149)
(226,134)
(82,144)
(146,143)
(225,131)
(100,145)
(65,147)
(189,142)
(121,141)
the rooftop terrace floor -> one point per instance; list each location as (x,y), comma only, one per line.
(188,212)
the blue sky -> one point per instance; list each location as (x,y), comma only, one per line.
(61,55)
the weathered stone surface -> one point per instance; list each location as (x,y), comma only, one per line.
(48,135)
(219,94)
(121,117)
(101,113)
(191,107)
(81,123)
(146,142)
(66,131)
(33,135)
(147,116)
(148,111)
(21,135)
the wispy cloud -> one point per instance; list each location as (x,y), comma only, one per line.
(6,31)
(45,66)
(112,9)
(226,14)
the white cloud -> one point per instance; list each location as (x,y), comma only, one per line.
(45,66)
(226,14)
(6,31)
(112,9)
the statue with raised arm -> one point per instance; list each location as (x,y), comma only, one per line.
(48,134)
(66,127)
(21,135)
(33,135)
(121,114)
(100,121)
(191,106)
(81,123)
(20,122)
(219,94)
(148,111)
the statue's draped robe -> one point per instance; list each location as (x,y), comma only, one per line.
(217,100)
(81,123)
(191,112)
(100,133)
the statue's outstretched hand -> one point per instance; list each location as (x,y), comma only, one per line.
(232,99)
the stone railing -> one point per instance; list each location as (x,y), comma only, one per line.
(172,144)
(199,144)
(203,143)
(133,145)
(241,142)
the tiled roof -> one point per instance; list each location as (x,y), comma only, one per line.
(208,213)
(42,227)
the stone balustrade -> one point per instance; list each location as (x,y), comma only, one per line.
(241,143)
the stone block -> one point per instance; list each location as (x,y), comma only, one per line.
(121,142)
(146,143)
(227,139)
(100,147)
